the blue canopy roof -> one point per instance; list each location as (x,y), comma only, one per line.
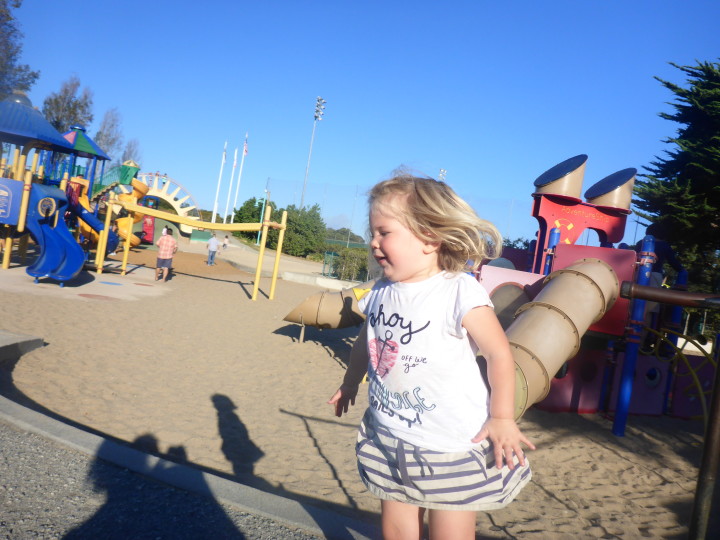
(21,124)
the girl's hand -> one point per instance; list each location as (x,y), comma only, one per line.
(343,398)
(506,438)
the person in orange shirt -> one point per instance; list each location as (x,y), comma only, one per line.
(167,246)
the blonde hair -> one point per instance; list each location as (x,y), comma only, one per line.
(431,210)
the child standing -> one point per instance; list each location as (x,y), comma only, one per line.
(434,436)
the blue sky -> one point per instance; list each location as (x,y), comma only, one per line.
(495,93)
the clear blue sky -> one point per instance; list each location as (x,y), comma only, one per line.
(495,93)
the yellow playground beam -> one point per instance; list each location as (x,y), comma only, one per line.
(174,218)
(230,227)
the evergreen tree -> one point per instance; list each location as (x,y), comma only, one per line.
(682,189)
(249,212)
(13,76)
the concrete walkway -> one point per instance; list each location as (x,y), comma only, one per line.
(291,268)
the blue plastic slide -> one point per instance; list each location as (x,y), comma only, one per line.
(95,224)
(61,257)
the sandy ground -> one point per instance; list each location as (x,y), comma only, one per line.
(214,378)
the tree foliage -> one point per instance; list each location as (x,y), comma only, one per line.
(132,152)
(305,233)
(351,264)
(343,235)
(109,135)
(66,108)
(251,212)
(517,243)
(13,75)
(682,189)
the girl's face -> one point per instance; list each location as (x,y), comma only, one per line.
(403,257)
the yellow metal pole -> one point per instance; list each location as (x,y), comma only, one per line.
(7,251)
(35,159)
(281,237)
(126,246)
(263,239)
(104,234)
(20,166)
(25,200)
(14,166)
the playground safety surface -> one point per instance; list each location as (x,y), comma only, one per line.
(195,372)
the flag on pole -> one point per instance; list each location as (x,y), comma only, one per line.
(245,148)
(224,153)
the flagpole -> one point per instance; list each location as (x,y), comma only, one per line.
(237,188)
(217,191)
(232,174)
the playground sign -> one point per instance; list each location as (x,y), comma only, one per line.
(10,196)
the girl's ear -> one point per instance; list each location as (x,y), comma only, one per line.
(431,247)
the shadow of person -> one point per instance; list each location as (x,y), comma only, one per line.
(337,342)
(242,453)
(237,446)
(138,507)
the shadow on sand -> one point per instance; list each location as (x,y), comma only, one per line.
(137,507)
(336,343)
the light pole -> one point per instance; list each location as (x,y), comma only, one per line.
(319,111)
(347,245)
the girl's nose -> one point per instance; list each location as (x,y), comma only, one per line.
(374,243)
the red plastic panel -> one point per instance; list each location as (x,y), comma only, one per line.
(622,262)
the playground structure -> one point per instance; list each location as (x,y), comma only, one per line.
(571,332)
(170,190)
(569,297)
(34,204)
(89,225)
(157,186)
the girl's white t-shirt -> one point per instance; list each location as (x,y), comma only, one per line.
(424,382)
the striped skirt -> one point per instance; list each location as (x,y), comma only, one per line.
(396,470)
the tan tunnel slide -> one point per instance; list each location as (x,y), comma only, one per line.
(544,334)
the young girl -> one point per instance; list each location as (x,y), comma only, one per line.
(434,437)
